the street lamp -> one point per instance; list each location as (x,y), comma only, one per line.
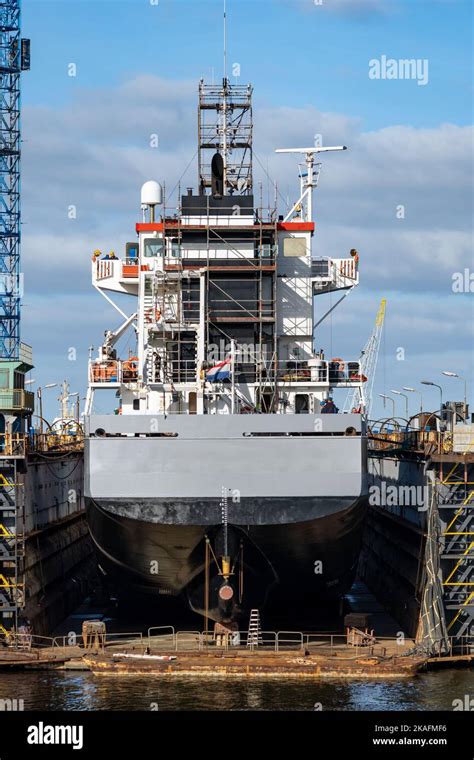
(39,393)
(414,390)
(399,393)
(455,374)
(76,393)
(382,395)
(428,382)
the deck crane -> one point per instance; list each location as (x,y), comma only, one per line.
(360,398)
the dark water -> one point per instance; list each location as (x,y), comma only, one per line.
(84,691)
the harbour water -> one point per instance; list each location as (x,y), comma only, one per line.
(70,691)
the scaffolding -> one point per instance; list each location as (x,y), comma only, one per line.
(239,298)
(225,127)
(223,238)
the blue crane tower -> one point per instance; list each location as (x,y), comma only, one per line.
(16,404)
(14,58)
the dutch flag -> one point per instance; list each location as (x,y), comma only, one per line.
(219,372)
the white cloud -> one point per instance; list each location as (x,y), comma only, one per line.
(353,8)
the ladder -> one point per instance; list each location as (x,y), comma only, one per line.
(254,636)
(12,545)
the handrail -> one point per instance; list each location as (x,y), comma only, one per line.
(334,373)
(13,444)
(276,640)
(286,641)
(17,398)
(187,633)
(161,628)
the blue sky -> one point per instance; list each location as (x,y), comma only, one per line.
(289,49)
(86,143)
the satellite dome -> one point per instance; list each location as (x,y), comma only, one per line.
(151,194)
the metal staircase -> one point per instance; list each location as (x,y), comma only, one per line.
(455,501)
(12,545)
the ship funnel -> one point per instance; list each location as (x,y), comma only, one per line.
(151,196)
(217,178)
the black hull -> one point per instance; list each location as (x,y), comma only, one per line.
(287,564)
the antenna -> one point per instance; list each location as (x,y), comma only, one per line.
(225,39)
(308,180)
(311,150)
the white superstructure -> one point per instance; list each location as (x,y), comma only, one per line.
(223,282)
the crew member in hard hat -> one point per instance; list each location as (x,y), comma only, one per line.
(110,255)
(96,254)
(355,256)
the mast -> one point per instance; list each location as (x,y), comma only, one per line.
(225,127)
(224,102)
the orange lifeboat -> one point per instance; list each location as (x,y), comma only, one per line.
(130,369)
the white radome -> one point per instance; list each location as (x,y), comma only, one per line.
(151,194)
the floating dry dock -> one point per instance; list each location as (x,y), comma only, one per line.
(255,665)
(38,659)
(194,655)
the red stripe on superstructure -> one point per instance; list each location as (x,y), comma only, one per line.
(296,226)
(149,227)
(289,226)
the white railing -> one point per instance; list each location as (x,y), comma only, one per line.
(334,372)
(104,268)
(128,268)
(342,271)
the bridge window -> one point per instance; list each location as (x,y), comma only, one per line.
(153,247)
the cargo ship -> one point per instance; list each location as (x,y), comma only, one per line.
(225,476)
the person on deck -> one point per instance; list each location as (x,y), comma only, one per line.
(329,407)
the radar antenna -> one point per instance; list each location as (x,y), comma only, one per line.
(308,181)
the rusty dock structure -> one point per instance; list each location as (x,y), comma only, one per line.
(163,652)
